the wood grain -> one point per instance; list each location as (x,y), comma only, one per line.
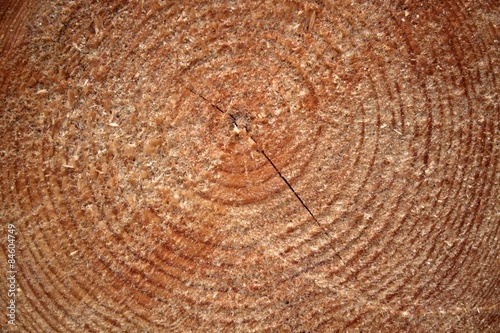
(251,166)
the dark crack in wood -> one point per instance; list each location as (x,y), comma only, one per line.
(291,188)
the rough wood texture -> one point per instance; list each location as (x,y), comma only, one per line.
(240,166)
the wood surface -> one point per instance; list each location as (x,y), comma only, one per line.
(251,166)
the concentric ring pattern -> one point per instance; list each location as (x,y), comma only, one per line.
(254,165)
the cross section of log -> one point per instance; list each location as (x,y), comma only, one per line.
(250,166)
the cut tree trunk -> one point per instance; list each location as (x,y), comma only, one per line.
(250,166)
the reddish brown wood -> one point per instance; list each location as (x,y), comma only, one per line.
(244,166)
